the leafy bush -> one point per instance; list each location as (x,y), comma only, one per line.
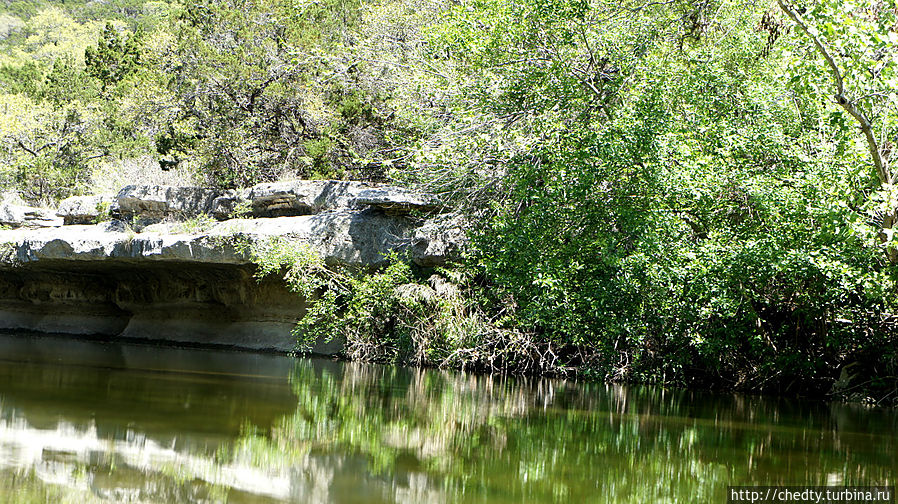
(193,225)
(394,314)
(685,210)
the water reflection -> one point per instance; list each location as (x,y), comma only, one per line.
(90,422)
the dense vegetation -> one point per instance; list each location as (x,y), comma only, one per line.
(689,192)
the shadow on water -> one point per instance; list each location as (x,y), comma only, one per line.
(103,422)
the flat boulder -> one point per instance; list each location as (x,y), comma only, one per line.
(11,198)
(15,213)
(84,209)
(228,206)
(301,197)
(396,200)
(304,197)
(149,204)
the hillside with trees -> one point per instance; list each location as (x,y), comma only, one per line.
(688,192)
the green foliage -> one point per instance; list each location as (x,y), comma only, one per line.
(367,314)
(104,211)
(193,225)
(672,208)
(302,267)
(241,91)
(389,315)
(242,209)
(342,304)
(856,51)
(394,314)
(21,79)
(304,272)
(66,103)
(863,38)
(319,151)
(271,88)
(114,58)
(66,82)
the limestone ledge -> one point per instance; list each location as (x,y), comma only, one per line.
(165,284)
(162,269)
(351,238)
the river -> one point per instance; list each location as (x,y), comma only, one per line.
(88,421)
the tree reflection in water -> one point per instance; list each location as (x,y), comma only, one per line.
(462,437)
(84,422)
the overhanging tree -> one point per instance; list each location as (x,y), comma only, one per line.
(858,46)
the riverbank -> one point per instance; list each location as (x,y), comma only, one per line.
(367,272)
(176,263)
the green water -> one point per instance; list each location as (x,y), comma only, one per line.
(100,422)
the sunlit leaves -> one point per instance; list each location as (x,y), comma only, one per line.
(705,206)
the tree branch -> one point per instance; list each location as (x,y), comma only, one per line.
(882,169)
(25,148)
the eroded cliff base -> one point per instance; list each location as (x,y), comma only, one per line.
(162,269)
(173,301)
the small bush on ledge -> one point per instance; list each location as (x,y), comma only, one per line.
(402,313)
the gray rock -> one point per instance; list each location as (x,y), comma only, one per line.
(227,205)
(12,215)
(439,240)
(149,204)
(355,238)
(301,197)
(84,209)
(12,198)
(359,239)
(41,217)
(17,215)
(397,200)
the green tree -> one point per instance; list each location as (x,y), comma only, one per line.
(856,49)
(267,88)
(114,58)
(679,210)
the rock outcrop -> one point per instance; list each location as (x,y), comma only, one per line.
(84,209)
(299,197)
(148,204)
(15,213)
(133,278)
(358,239)
(303,197)
(396,201)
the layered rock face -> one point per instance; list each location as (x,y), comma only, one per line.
(161,270)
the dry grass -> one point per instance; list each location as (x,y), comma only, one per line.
(110,177)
